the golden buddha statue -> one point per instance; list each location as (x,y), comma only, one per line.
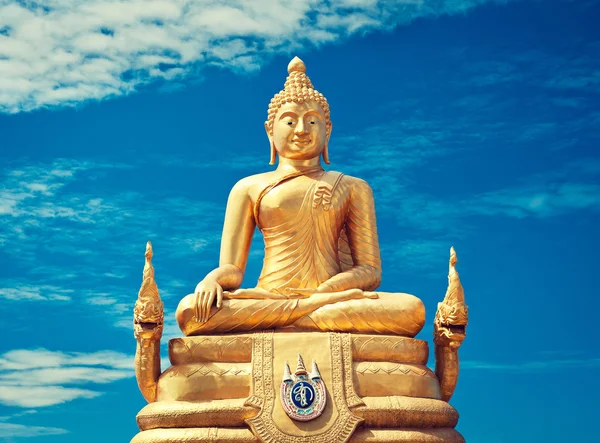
(322,257)
(316,297)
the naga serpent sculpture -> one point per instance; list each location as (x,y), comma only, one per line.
(449,331)
(148,323)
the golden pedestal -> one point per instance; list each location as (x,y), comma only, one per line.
(225,388)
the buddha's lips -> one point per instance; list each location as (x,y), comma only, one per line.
(301,141)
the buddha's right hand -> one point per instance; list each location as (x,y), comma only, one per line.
(206,292)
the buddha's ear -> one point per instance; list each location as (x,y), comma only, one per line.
(273,150)
(326,148)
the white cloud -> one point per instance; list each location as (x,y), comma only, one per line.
(40,396)
(40,378)
(23,359)
(64,52)
(54,376)
(16,430)
(25,292)
(532,366)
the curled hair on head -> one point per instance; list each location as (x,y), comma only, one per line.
(299,89)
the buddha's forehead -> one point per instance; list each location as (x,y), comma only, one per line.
(301,108)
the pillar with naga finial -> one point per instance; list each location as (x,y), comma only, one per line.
(148,323)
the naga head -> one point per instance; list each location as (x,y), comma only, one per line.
(451,318)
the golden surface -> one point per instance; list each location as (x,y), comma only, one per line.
(205,381)
(238,348)
(241,435)
(389,348)
(211,348)
(193,378)
(379,379)
(316,295)
(377,412)
(196,435)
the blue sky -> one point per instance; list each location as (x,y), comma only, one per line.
(476,123)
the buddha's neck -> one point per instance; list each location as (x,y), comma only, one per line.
(290,165)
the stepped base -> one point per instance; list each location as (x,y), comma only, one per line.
(378,412)
(379,389)
(242,435)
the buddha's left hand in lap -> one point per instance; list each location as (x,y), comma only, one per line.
(322,290)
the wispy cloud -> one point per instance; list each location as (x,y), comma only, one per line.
(26,292)
(40,378)
(402,154)
(89,229)
(538,200)
(427,256)
(63,52)
(38,203)
(532,366)
(16,430)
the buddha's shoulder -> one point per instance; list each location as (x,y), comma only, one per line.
(249,184)
(355,183)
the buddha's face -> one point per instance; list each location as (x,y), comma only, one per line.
(299,131)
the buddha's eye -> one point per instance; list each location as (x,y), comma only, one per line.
(313,122)
(289,123)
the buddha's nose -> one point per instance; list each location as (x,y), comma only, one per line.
(301,127)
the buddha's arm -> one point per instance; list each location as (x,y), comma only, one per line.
(361,230)
(235,242)
(235,245)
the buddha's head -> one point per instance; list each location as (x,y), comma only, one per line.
(298,124)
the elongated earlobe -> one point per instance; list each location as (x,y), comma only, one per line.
(326,148)
(273,154)
(326,154)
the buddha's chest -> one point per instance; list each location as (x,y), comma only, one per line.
(299,200)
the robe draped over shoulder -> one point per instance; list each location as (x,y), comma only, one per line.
(331,231)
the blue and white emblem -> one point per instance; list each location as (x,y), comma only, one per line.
(302,395)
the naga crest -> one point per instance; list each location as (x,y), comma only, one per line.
(451,318)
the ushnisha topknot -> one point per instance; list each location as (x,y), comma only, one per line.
(297,88)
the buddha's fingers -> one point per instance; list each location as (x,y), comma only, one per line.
(219,296)
(371,295)
(349,294)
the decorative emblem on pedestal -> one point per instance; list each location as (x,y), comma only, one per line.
(302,395)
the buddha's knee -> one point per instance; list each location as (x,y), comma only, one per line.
(407,304)
(418,309)
(185,311)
